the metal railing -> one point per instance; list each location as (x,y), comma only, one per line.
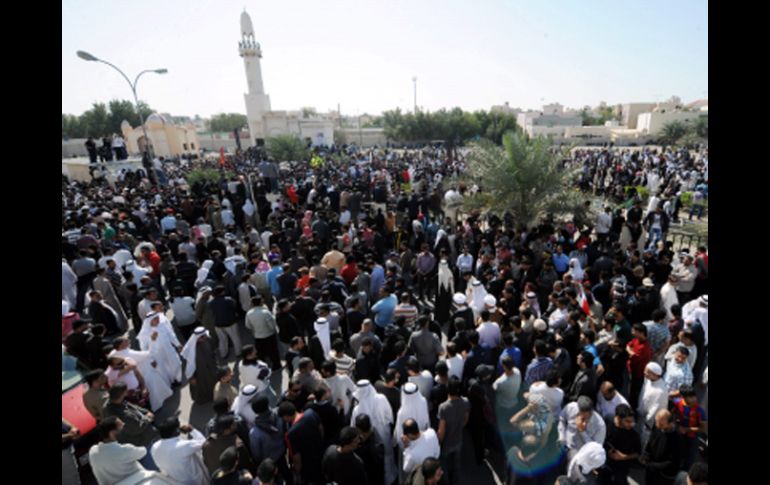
(689,241)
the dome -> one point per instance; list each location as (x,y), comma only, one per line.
(246,27)
(156,120)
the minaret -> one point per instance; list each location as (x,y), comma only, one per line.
(257,102)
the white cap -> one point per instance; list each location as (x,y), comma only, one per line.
(704,300)
(655,368)
(249,390)
(199,330)
(410,388)
(531,294)
(490,301)
(322,320)
(476,283)
(648,283)
(459,299)
(540,325)
(363,383)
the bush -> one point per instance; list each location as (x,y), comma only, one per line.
(202,175)
(641,191)
(686,199)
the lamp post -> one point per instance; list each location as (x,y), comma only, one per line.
(147,149)
(414,80)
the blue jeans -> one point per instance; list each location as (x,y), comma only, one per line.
(656,234)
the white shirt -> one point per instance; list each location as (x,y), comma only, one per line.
(112,462)
(489,334)
(603,223)
(228,219)
(607,408)
(184,310)
(181,458)
(418,450)
(456,365)
(342,387)
(345,217)
(553,395)
(129,378)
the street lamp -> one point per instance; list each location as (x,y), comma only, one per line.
(147,149)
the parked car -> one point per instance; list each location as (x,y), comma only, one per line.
(73,386)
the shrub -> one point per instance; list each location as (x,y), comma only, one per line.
(202,174)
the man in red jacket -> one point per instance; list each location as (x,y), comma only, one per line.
(639,355)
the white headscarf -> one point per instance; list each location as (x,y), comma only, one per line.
(440,234)
(232,262)
(242,404)
(590,457)
(478,292)
(321,327)
(445,278)
(576,270)
(375,406)
(413,406)
(203,272)
(188,352)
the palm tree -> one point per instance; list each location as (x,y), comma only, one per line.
(524,177)
(672,132)
(283,148)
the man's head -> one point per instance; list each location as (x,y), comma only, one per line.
(653,371)
(698,474)
(169,427)
(624,417)
(681,354)
(411,429)
(639,331)
(118,392)
(585,407)
(109,428)
(432,471)
(585,359)
(688,394)
(96,379)
(287,411)
(553,378)
(328,368)
(228,459)
(608,390)
(664,420)
(349,439)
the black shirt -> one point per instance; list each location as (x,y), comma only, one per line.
(626,441)
(343,468)
(393,394)
(372,453)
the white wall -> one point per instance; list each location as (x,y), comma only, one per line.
(653,123)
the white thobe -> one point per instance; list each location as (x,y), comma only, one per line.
(162,350)
(668,298)
(418,450)
(182,459)
(68,284)
(154,381)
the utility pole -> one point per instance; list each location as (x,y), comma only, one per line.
(414,80)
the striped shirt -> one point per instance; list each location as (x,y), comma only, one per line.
(345,364)
(408,311)
(688,416)
(537,370)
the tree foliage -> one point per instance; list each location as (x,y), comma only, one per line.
(525,177)
(686,133)
(286,148)
(103,120)
(605,114)
(453,126)
(227,122)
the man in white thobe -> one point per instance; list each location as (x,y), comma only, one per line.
(377,407)
(180,458)
(159,338)
(653,398)
(156,384)
(68,284)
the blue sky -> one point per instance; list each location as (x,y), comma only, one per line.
(363,53)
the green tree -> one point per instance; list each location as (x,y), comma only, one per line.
(95,121)
(284,148)
(227,122)
(524,177)
(672,132)
(340,137)
(701,127)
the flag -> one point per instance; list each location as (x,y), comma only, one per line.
(222,156)
(583,301)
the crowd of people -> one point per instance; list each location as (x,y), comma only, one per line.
(572,351)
